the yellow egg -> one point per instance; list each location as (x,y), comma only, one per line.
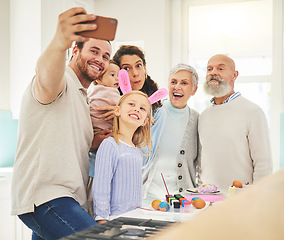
(155,204)
(237,184)
(199,203)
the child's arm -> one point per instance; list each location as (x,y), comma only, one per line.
(105,166)
(101,221)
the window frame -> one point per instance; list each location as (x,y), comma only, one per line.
(180,54)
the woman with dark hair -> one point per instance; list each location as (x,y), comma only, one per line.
(132,59)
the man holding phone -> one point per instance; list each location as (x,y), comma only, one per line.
(55,132)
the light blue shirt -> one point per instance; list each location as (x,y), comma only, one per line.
(156,130)
(230,98)
(170,142)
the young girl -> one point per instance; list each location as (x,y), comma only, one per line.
(117,186)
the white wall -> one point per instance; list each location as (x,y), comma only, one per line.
(148,21)
(25,47)
(32,26)
(50,10)
(5,55)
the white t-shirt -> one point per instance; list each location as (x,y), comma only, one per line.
(170,141)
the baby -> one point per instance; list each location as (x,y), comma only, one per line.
(104,92)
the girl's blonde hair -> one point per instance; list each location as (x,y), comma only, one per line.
(142,136)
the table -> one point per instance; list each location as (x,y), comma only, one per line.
(182,216)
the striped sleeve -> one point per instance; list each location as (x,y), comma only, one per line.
(105,166)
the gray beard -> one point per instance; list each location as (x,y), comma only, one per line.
(217,89)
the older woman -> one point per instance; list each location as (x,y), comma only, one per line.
(175,139)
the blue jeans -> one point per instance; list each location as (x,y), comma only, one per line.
(57,218)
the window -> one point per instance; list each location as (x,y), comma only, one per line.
(249,31)
(243,31)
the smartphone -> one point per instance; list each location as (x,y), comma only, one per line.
(106,29)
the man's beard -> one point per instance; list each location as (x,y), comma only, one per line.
(83,67)
(218,88)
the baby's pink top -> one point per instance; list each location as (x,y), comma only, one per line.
(101,96)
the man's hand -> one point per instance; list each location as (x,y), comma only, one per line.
(70,24)
(98,138)
(49,81)
(108,115)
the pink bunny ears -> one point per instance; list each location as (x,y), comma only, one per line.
(124,84)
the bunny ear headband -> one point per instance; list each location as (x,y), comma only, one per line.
(124,84)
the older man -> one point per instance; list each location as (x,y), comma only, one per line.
(55,133)
(233,131)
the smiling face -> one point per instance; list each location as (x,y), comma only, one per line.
(110,77)
(133,64)
(181,88)
(134,110)
(220,76)
(91,61)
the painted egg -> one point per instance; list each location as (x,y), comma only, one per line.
(199,203)
(164,206)
(237,184)
(155,204)
(193,199)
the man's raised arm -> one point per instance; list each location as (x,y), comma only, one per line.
(49,81)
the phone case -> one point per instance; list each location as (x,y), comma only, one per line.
(106,29)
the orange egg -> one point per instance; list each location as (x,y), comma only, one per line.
(199,203)
(237,184)
(155,204)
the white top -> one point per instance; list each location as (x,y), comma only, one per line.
(235,143)
(170,142)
